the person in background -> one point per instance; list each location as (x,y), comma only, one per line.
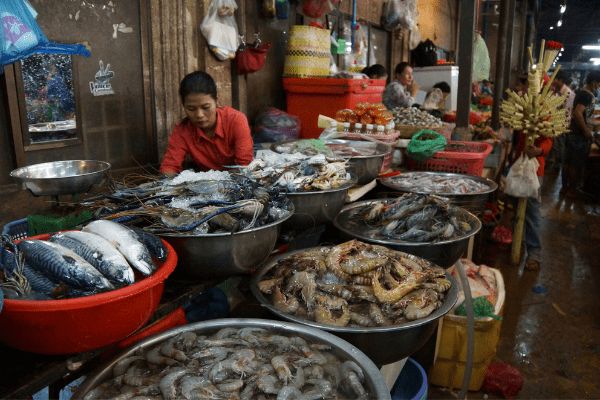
(540,149)
(402,90)
(560,86)
(375,71)
(436,98)
(579,138)
(487,88)
(213,137)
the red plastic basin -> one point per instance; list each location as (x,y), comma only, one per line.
(85,323)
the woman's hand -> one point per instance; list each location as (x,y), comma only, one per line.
(414,88)
(533,151)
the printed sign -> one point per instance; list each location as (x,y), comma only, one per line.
(101,85)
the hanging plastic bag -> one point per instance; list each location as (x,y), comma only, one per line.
(220,29)
(316,8)
(399,14)
(425,54)
(21,36)
(522,180)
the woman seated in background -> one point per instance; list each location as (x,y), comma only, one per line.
(212,137)
(402,90)
(375,71)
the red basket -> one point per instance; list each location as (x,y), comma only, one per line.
(458,157)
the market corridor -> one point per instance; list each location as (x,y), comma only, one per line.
(551,326)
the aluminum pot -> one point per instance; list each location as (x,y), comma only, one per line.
(443,253)
(364,167)
(219,255)
(383,345)
(473,202)
(316,207)
(374,381)
(62,177)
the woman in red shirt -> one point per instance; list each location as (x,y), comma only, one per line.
(211,136)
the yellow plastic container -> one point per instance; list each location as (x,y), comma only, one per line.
(449,366)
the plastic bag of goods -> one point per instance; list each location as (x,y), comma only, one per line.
(274,125)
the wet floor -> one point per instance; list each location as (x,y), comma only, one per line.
(551,335)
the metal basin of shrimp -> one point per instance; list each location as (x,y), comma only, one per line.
(467,191)
(241,359)
(426,226)
(385,302)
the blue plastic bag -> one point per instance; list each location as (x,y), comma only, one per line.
(21,36)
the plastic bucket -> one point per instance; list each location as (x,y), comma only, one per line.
(411,383)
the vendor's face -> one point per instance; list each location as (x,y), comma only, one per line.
(201,109)
(406,76)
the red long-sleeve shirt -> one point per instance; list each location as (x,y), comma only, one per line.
(231,144)
(543,142)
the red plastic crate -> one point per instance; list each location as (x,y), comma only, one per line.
(458,157)
(309,97)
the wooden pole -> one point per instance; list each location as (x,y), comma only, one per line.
(518,231)
(465,62)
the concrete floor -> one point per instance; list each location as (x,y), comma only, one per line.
(553,338)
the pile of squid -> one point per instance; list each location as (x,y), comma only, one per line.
(355,284)
(428,182)
(298,172)
(235,363)
(103,256)
(194,203)
(410,218)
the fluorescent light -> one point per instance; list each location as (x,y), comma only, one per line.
(594,59)
(591,47)
(559,23)
(563,8)
(551,27)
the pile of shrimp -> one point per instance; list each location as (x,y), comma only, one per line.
(355,284)
(235,363)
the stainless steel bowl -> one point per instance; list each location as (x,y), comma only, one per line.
(444,253)
(316,207)
(219,255)
(365,168)
(474,202)
(383,345)
(62,177)
(368,167)
(374,381)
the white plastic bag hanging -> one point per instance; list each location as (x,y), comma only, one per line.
(522,180)
(220,29)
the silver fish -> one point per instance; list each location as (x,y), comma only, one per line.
(63,264)
(100,253)
(125,240)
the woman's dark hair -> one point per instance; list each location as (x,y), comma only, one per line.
(443,86)
(401,67)
(198,82)
(375,70)
(593,76)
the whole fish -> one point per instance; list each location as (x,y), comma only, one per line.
(152,242)
(63,264)
(100,253)
(125,240)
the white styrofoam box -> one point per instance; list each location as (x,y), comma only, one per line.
(426,77)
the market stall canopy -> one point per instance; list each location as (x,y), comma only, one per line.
(21,36)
